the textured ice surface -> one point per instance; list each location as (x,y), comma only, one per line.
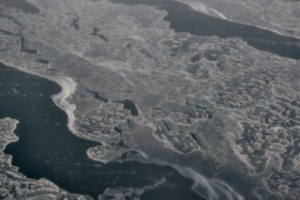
(219,111)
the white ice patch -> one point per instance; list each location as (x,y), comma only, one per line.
(68,88)
(204,9)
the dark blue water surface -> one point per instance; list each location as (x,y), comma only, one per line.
(183,19)
(46,148)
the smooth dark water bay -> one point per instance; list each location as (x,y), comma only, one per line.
(46,148)
(183,19)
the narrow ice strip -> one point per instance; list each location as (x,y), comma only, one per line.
(68,88)
(142,154)
(226,190)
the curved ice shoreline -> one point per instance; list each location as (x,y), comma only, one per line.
(207,188)
(68,87)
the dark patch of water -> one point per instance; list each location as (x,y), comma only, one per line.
(43,61)
(95,32)
(103,38)
(196,58)
(30,51)
(129,105)
(97,96)
(183,19)
(6,32)
(75,22)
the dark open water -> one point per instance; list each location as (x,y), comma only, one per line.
(48,149)
(183,19)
